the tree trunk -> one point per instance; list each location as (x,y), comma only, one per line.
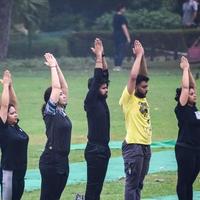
(5,24)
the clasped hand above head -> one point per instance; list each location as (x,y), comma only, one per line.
(50,60)
(138,48)
(184,64)
(6,80)
(98,47)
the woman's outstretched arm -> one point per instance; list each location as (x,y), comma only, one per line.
(55,82)
(5,96)
(13,96)
(185,81)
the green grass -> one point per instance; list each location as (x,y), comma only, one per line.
(158,184)
(31,82)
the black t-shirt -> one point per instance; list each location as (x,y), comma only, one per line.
(98,116)
(14,144)
(189,126)
(118,21)
(58,131)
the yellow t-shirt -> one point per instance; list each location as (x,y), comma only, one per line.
(137,118)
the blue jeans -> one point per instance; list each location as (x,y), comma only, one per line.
(136,164)
(120,52)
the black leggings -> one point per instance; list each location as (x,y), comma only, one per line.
(52,184)
(188,161)
(97,158)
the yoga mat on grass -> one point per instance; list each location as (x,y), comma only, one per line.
(160,162)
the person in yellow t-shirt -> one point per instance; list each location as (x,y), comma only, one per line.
(136,146)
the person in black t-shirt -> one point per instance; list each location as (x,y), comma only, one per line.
(121,36)
(187,148)
(97,152)
(54,166)
(13,143)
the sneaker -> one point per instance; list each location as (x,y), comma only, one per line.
(79,197)
(117,69)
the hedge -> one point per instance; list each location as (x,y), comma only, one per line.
(78,44)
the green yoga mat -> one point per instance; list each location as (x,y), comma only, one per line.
(160,161)
(118,144)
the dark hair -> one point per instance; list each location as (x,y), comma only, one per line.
(178,93)
(141,78)
(120,6)
(103,81)
(47,95)
(90,80)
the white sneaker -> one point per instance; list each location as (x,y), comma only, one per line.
(79,197)
(117,69)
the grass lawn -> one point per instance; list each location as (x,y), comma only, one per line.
(30,84)
(159,184)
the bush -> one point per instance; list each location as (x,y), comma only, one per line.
(160,19)
(40,45)
(175,40)
(142,19)
(64,21)
(104,22)
(78,44)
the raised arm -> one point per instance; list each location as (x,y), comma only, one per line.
(143,67)
(63,82)
(55,82)
(93,92)
(105,65)
(192,82)
(5,96)
(139,52)
(98,51)
(13,97)
(185,81)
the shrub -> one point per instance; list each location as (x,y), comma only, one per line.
(159,19)
(40,45)
(64,21)
(174,40)
(78,44)
(142,19)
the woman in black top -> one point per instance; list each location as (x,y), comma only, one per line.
(54,167)
(187,147)
(13,143)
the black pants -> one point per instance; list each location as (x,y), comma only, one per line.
(97,158)
(136,165)
(188,161)
(52,184)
